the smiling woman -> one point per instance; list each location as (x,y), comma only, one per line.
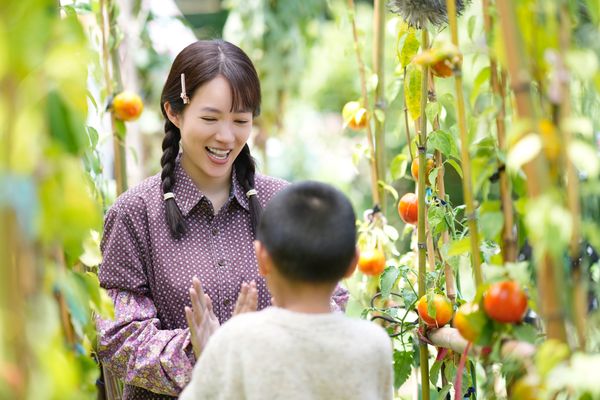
(197,218)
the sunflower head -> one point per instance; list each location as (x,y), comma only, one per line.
(418,13)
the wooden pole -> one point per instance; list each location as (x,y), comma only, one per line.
(379,105)
(536,171)
(363,84)
(465,157)
(509,242)
(421,234)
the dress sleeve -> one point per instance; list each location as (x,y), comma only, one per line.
(133,345)
(339,299)
(138,351)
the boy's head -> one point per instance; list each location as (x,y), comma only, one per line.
(309,232)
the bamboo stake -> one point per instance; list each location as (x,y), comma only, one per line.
(579,292)
(421,235)
(379,101)
(110,63)
(363,84)
(535,170)
(464,150)
(441,189)
(509,242)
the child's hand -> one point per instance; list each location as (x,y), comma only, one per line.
(247,300)
(200,318)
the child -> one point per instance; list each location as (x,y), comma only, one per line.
(306,243)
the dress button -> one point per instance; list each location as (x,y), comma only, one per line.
(221,263)
(215,231)
(226,302)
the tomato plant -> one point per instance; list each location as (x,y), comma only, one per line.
(127,106)
(505,302)
(408,208)
(441,306)
(371,262)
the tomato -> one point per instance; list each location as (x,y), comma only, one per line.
(355,116)
(127,106)
(505,302)
(371,262)
(466,321)
(414,168)
(442,69)
(408,207)
(443,310)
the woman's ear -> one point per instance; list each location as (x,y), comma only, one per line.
(173,117)
(352,265)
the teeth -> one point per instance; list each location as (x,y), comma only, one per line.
(218,153)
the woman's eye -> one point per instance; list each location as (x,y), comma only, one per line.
(241,121)
(209,119)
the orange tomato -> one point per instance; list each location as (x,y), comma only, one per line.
(465,322)
(127,106)
(505,302)
(414,168)
(371,262)
(355,116)
(408,208)
(441,69)
(443,310)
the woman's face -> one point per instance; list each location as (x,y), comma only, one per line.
(212,135)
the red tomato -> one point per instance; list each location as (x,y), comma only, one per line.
(371,262)
(443,310)
(408,207)
(505,302)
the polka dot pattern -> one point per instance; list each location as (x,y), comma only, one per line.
(149,273)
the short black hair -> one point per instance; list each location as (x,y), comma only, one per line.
(309,229)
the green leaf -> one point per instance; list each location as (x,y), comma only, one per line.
(458,247)
(388,280)
(471,28)
(410,46)
(524,151)
(432,110)
(398,166)
(443,141)
(66,126)
(437,219)
(412,91)
(525,333)
(584,157)
(456,167)
(388,188)
(491,224)
(434,372)
(379,114)
(403,361)
(482,77)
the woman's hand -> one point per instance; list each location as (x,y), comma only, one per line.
(247,300)
(200,318)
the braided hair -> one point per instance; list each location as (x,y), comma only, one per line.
(201,62)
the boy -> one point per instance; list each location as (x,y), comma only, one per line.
(306,243)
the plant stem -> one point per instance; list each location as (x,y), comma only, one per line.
(465,157)
(421,235)
(363,84)
(509,242)
(535,170)
(380,104)
(110,63)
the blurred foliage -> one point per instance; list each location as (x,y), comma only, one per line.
(48,203)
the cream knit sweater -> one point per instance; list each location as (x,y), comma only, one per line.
(279,354)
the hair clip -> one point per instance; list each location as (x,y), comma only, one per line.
(168,195)
(184,96)
(251,192)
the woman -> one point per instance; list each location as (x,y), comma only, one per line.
(195,219)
